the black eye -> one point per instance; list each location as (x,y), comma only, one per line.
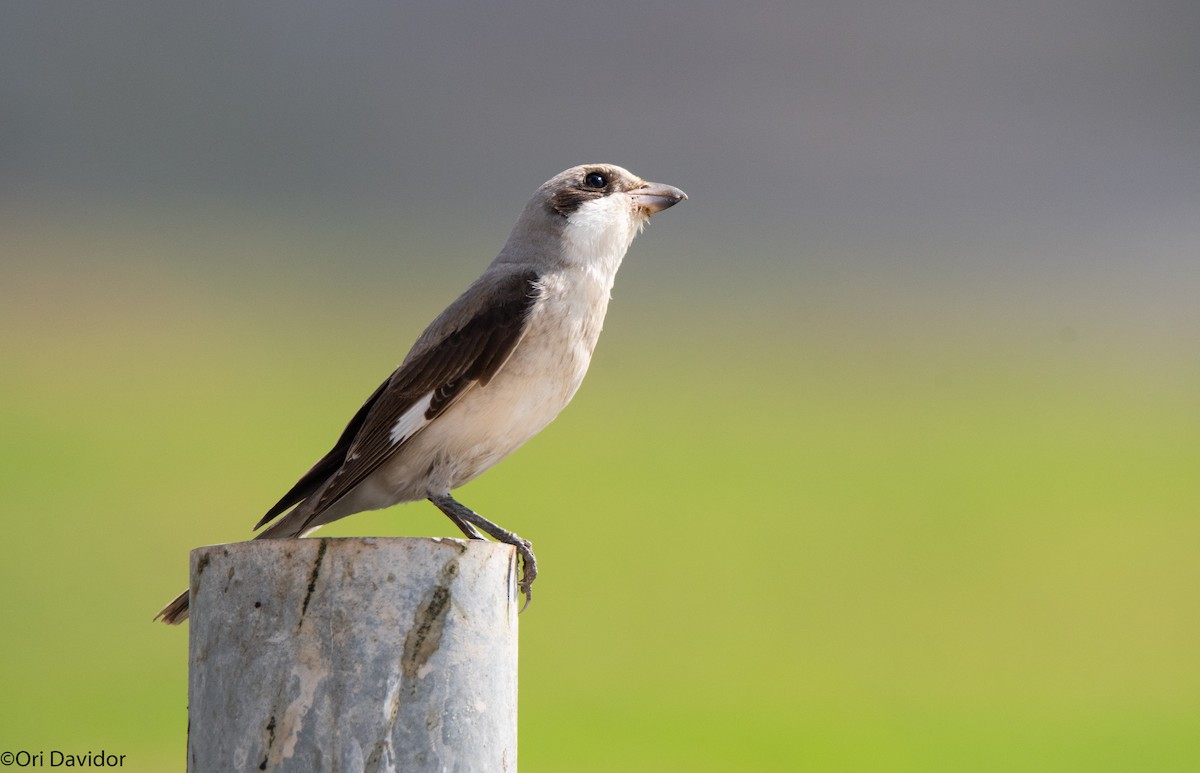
(595,180)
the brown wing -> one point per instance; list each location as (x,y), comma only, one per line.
(467,355)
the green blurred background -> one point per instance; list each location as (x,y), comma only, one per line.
(887,459)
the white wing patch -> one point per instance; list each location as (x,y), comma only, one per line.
(412,420)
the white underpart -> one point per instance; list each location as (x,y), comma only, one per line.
(412,420)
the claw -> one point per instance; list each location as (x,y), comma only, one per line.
(528,571)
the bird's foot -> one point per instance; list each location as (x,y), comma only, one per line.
(467,519)
(528,568)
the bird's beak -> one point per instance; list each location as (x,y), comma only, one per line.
(655,197)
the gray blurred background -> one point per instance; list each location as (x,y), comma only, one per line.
(935,139)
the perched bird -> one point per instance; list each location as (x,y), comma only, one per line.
(489,373)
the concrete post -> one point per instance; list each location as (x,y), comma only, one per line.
(353,655)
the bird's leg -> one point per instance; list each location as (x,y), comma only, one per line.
(466,526)
(467,519)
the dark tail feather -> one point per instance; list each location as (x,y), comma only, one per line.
(175,612)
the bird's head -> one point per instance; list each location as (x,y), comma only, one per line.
(599,208)
(587,217)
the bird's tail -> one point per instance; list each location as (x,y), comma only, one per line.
(290,525)
(175,612)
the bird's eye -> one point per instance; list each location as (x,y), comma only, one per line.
(595,180)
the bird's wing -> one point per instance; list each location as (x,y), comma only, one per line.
(453,356)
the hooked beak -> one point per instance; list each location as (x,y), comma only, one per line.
(655,197)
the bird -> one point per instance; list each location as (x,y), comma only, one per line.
(489,373)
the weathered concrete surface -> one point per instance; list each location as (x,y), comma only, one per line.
(353,655)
